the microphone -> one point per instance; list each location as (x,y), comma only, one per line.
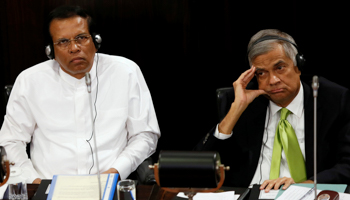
(88,85)
(315,86)
(88,82)
(331,195)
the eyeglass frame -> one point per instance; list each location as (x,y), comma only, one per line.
(70,41)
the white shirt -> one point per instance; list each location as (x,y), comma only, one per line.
(51,109)
(296,119)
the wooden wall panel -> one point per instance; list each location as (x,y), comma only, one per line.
(185,48)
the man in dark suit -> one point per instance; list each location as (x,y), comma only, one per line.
(247,135)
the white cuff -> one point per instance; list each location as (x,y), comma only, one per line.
(123,165)
(219,135)
(30,174)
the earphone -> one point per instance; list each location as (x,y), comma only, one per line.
(96,38)
(299,57)
(88,141)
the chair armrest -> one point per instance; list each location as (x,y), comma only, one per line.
(144,174)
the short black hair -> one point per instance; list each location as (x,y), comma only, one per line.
(68,11)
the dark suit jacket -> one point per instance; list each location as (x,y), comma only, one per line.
(242,151)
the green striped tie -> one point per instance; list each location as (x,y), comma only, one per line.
(285,138)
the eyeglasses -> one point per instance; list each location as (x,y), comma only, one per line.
(79,40)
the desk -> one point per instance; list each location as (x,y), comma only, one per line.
(143,192)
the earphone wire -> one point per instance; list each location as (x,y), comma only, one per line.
(88,141)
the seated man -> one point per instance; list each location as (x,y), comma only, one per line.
(267,135)
(49,107)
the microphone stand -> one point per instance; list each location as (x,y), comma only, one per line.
(315,86)
(88,85)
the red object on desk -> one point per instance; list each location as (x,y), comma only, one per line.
(328,194)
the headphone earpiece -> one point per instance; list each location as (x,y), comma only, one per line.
(300,61)
(96,38)
(49,52)
(299,57)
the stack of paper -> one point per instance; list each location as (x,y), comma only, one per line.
(64,187)
(212,196)
(297,191)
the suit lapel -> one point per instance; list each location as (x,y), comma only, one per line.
(256,124)
(251,139)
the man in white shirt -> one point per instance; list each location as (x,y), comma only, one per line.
(246,136)
(49,107)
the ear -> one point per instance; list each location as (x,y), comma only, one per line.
(297,70)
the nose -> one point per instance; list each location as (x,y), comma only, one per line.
(274,79)
(74,47)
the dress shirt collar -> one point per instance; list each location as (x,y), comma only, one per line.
(296,106)
(78,82)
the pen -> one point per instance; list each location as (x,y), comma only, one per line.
(308,192)
(245,193)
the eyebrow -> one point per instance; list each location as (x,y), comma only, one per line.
(276,64)
(74,36)
(257,69)
(279,62)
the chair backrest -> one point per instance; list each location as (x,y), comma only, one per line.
(224,98)
(7,92)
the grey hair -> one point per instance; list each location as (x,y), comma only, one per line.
(268,45)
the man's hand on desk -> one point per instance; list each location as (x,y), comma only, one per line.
(276,183)
(111,171)
(308,181)
(37,181)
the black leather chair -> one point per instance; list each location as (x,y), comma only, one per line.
(7,92)
(142,174)
(224,99)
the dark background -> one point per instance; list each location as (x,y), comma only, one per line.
(185,48)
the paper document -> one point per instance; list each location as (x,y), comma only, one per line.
(296,192)
(268,195)
(64,187)
(212,196)
(3,190)
(335,187)
(48,189)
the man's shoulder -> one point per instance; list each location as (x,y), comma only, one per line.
(46,67)
(329,92)
(323,82)
(331,85)
(114,59)
(117,62)
(326,87)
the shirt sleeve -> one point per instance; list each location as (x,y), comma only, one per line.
(142,127)
(17,130)
(219,135)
